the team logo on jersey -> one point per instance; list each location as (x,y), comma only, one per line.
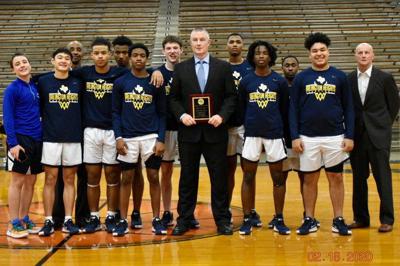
(237,78)
(320,88)
(168,86)
(138,97)
(99,88)
(262,96)
(63,97)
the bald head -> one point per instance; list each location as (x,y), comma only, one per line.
(364,45)
(364,54)
(76,49)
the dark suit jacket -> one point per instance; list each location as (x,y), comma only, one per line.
(380,108)
(219,83)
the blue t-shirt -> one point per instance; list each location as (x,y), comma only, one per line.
(138,107)
(239,71)
(172,124)
(264,100)
(321,104)
(61,108)
(96,96)
(21,112)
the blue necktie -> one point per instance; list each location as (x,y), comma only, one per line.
(201,77)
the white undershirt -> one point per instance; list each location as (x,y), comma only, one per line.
(363,81)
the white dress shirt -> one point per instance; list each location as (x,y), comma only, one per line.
(363,81)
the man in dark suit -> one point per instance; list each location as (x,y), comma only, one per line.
(376,103)
(210,78)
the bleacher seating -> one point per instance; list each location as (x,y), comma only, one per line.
(286,23)
(37,27)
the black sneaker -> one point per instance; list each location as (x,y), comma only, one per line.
(315,220)
(110,223)
(194,224)
(117,216)
(167,219)
(93,225)
(246,227)
(255,219)
(82,222)
(340,227)
(158,227)
(70,228)
(121,229)
(272,223)
(47,229)
(308,226)
(136,220)
(280,227)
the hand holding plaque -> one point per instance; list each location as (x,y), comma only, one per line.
(201,107)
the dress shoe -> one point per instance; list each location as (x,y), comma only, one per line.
(384,228)
(179,230)
(357,225)
(224,229)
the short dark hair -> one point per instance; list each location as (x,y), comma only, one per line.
(315,37)
(122,40)
(290,56)
(235,34)
(141,46)
(101,41)
(252,50)
(14,56)
(171,39)
(62,50)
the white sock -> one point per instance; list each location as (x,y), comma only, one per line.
(111,213)
(67,218)
(49,218)
(94,214)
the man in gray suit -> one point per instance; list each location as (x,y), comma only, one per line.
(376,103)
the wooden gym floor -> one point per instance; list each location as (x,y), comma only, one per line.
(204,246)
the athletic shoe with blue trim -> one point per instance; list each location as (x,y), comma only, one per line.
(47,229)
(70,228)
(308,226)
(340,227)
(246,227)
(121,229)
(158,227)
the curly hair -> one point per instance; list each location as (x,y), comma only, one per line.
(141,46)
(290,56)
(252,50)
(315,37)
(122,40)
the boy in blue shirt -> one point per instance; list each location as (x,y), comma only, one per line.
(240,68)
(139,110)
(321,118)
(264,97)
(24,140)
(60,102)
